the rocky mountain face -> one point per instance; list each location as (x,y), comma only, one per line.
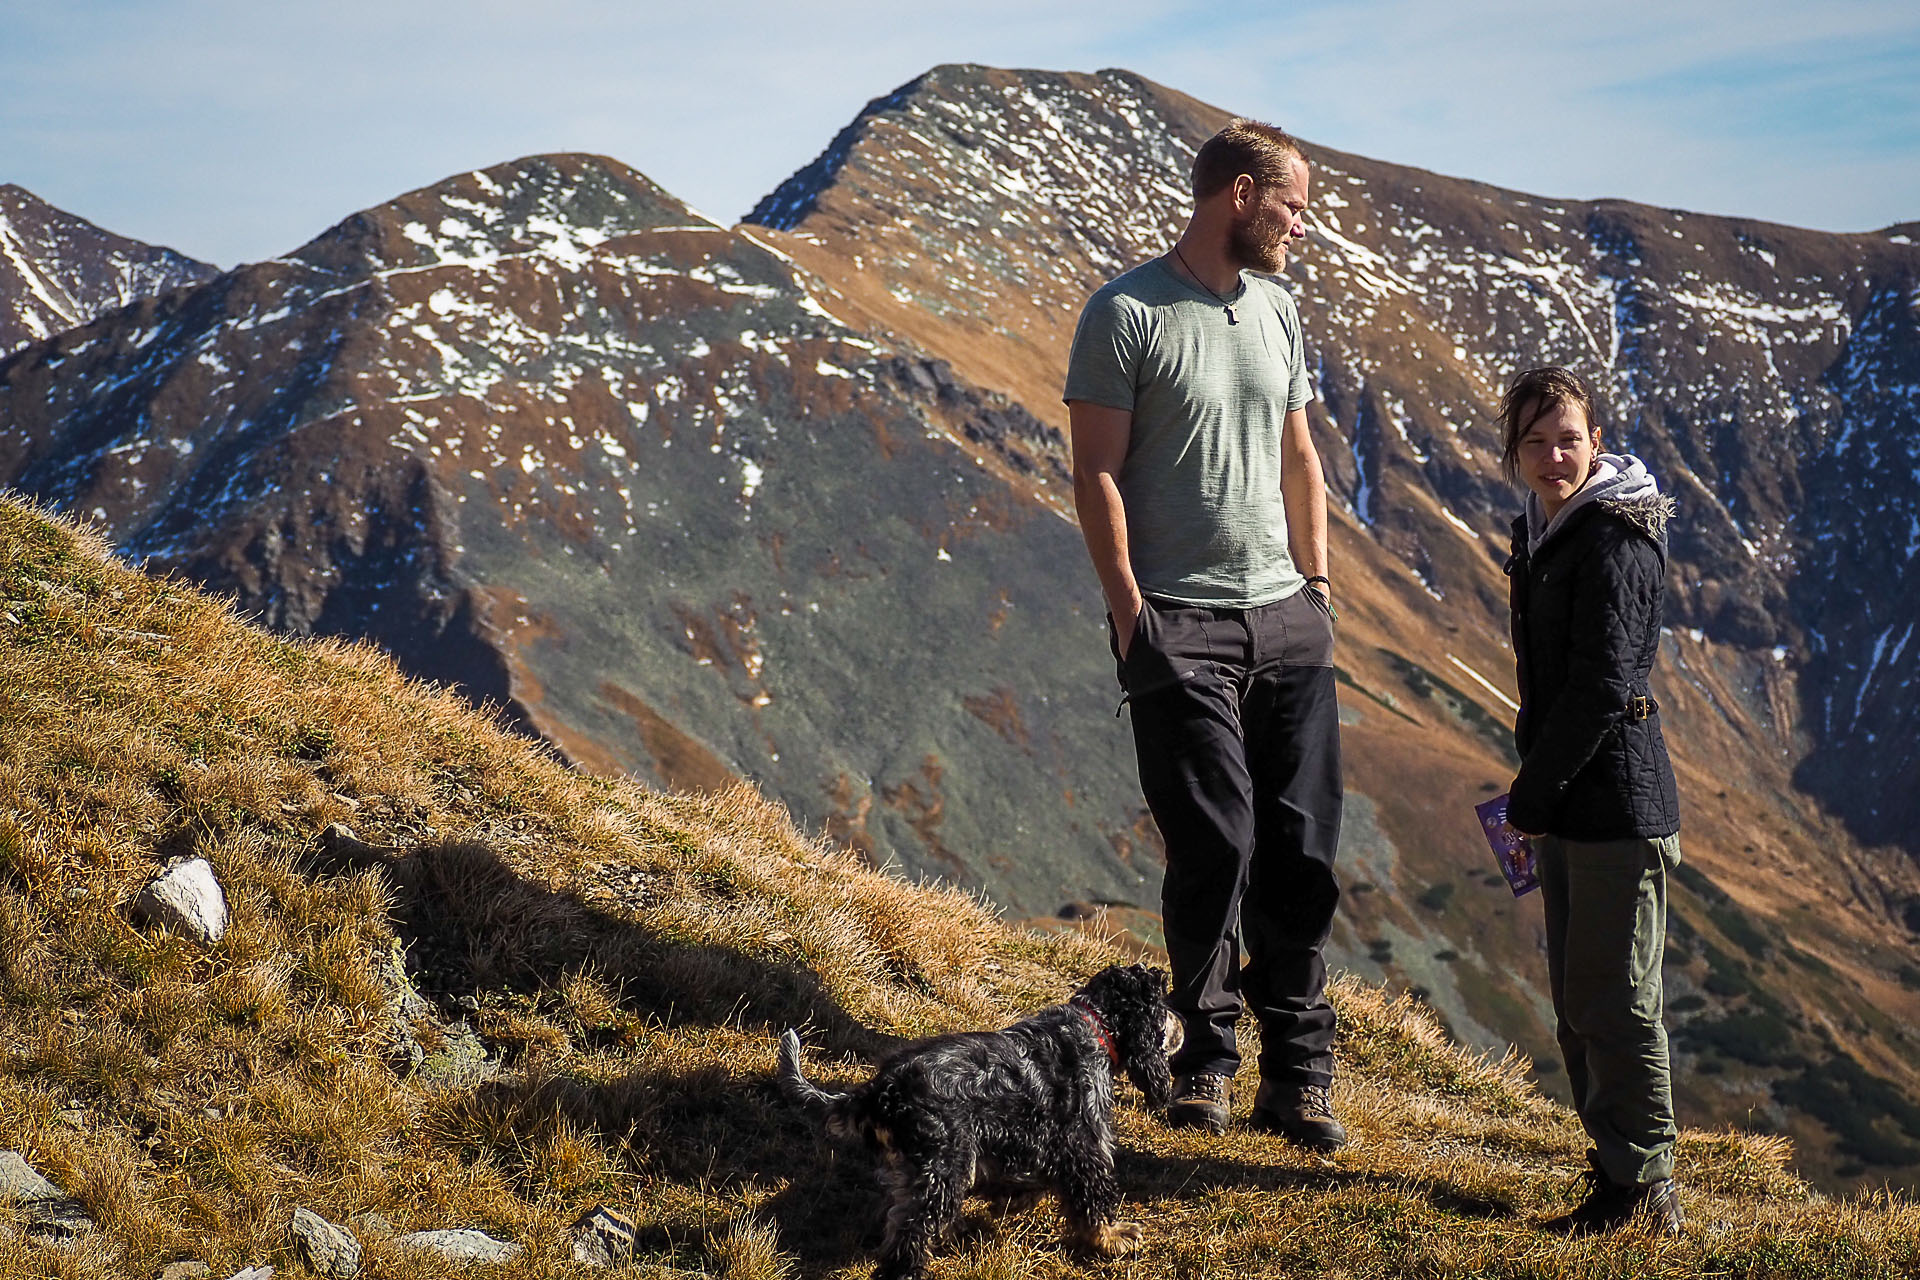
(544,434)
(58,271)
(1767,374)
(788,502)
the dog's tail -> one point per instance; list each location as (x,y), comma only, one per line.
(834,1106)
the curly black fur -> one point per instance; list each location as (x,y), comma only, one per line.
(1027,1107)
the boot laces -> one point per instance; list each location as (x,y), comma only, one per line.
(1203,1088)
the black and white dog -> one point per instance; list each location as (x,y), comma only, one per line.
(1026,1108)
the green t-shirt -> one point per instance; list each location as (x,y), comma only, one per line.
(1206,521)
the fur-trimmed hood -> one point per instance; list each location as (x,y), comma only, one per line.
(1649,513)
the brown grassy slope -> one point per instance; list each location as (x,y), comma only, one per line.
(626,956)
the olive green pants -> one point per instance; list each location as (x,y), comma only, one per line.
(1606,909)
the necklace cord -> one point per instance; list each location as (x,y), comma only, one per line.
(1231,319)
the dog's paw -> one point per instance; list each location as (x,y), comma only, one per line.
(1115,1238)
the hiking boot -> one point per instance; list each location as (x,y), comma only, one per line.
(1610,1205)
(1300,1113)
(1201,1101)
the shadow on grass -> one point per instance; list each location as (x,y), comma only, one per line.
(478,934)
(1149,1175)
(477,931)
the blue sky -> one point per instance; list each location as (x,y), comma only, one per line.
(237,129)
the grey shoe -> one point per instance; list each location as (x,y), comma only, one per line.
(1300,1113)
(1201,1101)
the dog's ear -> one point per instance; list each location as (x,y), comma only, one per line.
(1148,979)
(1144,1050)
(1138,1013)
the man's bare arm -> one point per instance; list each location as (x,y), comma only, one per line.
(1100,435)
(1304,486)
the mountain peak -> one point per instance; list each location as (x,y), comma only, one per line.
(556,205)
(58,270)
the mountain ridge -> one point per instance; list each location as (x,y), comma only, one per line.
(431,359)
(58,270)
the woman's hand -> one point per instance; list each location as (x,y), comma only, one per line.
(1530,835)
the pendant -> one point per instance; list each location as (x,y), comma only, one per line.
(1231,318)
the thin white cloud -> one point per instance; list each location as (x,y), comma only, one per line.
(1754,109)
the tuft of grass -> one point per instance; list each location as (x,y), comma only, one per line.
(622,959)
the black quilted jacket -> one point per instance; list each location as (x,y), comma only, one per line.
(1586,630)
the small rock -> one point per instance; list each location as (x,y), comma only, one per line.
(76,894)
(44,1209)
(461,1245)
(253,1273)
(349,852)
(327,1249)
(185,898)
(186,1271)
(20,1182)
(372,1224)
(603,1237)
(55,1220)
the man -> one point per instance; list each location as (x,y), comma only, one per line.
(1202,501)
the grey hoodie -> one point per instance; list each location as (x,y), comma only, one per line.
(1617,478)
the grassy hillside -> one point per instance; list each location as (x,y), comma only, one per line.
(625,957)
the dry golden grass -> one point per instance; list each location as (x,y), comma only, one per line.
(627,957)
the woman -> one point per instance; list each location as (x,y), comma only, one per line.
(1595,789)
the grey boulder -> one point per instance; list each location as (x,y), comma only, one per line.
(187,899)
(45,1210)
(603,1237)
(459,1245)
(20,1182)
(328,1250)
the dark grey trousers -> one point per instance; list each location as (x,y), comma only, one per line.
(1237,733)
(1606,918)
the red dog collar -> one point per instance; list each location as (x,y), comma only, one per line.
(1097,1025)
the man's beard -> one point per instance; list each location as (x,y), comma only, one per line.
(1259,242)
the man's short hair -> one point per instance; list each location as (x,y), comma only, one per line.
(1261,151)
(1533,395)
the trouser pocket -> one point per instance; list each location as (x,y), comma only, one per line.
(1168,642)
(1140,624)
